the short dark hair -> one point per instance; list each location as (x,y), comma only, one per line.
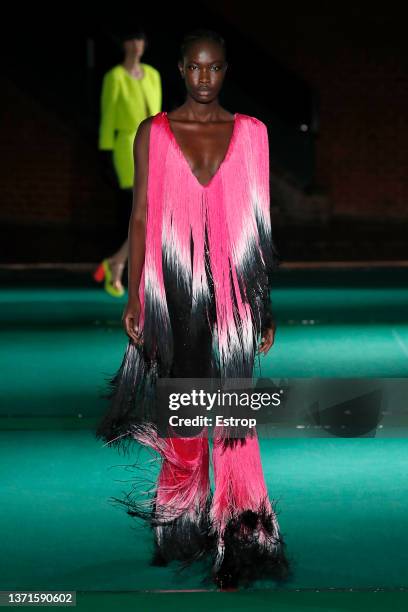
(201,34)
(120,36)
(139,34)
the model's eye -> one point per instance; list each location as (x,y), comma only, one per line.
(215,68)
(192,66)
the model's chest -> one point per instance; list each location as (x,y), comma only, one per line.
(204,147)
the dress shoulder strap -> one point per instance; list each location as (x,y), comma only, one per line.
(158,131)
(158,126)
(158,150)
(159,119)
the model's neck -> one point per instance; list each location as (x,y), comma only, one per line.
(131,62)
(198,111)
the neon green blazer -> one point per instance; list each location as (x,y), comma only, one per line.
(125,102)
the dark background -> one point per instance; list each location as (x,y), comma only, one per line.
(330,84)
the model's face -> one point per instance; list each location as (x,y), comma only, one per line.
(203,70)
(135,46)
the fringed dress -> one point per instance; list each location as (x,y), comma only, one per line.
(204,294)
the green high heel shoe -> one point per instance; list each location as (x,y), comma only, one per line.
(112,274)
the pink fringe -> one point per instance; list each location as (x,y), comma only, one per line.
(233,209)
(183,485)
(239,484)
(230,207)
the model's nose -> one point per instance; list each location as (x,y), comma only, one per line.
(204,76)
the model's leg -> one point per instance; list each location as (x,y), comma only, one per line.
(249,543)
(125,203)
(180,516)
(111,268)
(117,261)
(177,506)
(183,486)
(120,256)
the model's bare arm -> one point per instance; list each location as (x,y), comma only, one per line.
(137,230)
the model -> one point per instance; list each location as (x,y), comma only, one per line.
(131,91)
(200,263)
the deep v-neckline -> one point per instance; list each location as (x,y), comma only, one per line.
(182,155)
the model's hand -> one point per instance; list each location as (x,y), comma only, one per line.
(267,340)
(130,320)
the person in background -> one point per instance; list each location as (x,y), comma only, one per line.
(131,91)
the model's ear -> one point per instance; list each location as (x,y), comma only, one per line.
(181,69)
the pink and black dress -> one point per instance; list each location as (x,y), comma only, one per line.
(204,294)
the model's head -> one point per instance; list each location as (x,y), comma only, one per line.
(134,43)
(203,64)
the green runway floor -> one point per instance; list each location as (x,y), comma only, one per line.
(342,502)
(62,344)
(342,507)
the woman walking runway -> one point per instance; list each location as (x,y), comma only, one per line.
(201,257)
(131,91)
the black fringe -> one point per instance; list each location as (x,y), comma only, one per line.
(132,398)
(273,260)
(186,540)
(157,333)
(237,556)
(183,539)
(259,284)
(131,390)
(177,537)
(203,309)
(245,559)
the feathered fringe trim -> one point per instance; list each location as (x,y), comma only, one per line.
(132,389)
(244,547)
(132,398)
(181,525)
(186,539)
(249,548)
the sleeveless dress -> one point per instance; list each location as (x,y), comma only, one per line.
(205,300)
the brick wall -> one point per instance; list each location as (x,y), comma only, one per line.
(49,172)
(357,62)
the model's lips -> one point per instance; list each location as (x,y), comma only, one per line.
(204,90)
